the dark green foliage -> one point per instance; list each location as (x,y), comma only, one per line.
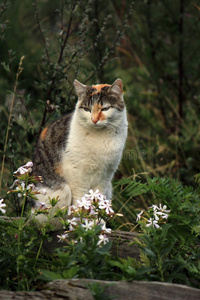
(19,257)
(170,253)
(81,259)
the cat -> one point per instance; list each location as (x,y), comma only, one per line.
(82,150)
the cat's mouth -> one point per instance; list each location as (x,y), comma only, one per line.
(97,125)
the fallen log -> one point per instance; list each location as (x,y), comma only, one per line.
(81,289)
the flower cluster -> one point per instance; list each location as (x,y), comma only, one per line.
(156,215)
(90,211)
(24,185)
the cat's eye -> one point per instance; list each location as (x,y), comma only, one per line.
(105,108)
(87,109)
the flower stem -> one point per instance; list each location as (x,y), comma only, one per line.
(160,269)
(20,222)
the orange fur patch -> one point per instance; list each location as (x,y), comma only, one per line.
(43,134)
(97,114)
(58,169)
(98,88)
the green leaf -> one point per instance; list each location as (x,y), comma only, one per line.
(71,273)
(49,275)
(149,253)
(6,67)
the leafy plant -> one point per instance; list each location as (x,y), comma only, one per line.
(169,236)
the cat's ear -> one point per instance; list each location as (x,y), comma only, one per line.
(117,87)
(80,88)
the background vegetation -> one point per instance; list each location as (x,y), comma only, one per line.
(152,45)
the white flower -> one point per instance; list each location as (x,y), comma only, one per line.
(62,237)
(105,229)
(44,192)
(106,204)
(30,186)
(23,185)
(94,195)
(139,215)
(155,207)
(71,209)
(14,183)
(29,164)
(84,202)
(160,212)
(40,205)
(25,168)
(164,209)
(93,210)
(21,170)
(73,223)
(152,222)
(2,205)
(102,239)
(88,225)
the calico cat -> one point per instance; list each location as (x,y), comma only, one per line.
(82,150)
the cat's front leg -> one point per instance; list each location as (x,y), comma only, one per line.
(78,191)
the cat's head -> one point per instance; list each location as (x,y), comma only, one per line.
(100,106)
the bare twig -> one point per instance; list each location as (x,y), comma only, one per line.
(60,58)
(20,69)
(180,61)
(40,30)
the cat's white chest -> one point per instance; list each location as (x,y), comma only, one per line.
(91,158)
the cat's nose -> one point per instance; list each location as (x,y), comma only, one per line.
(95,120)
